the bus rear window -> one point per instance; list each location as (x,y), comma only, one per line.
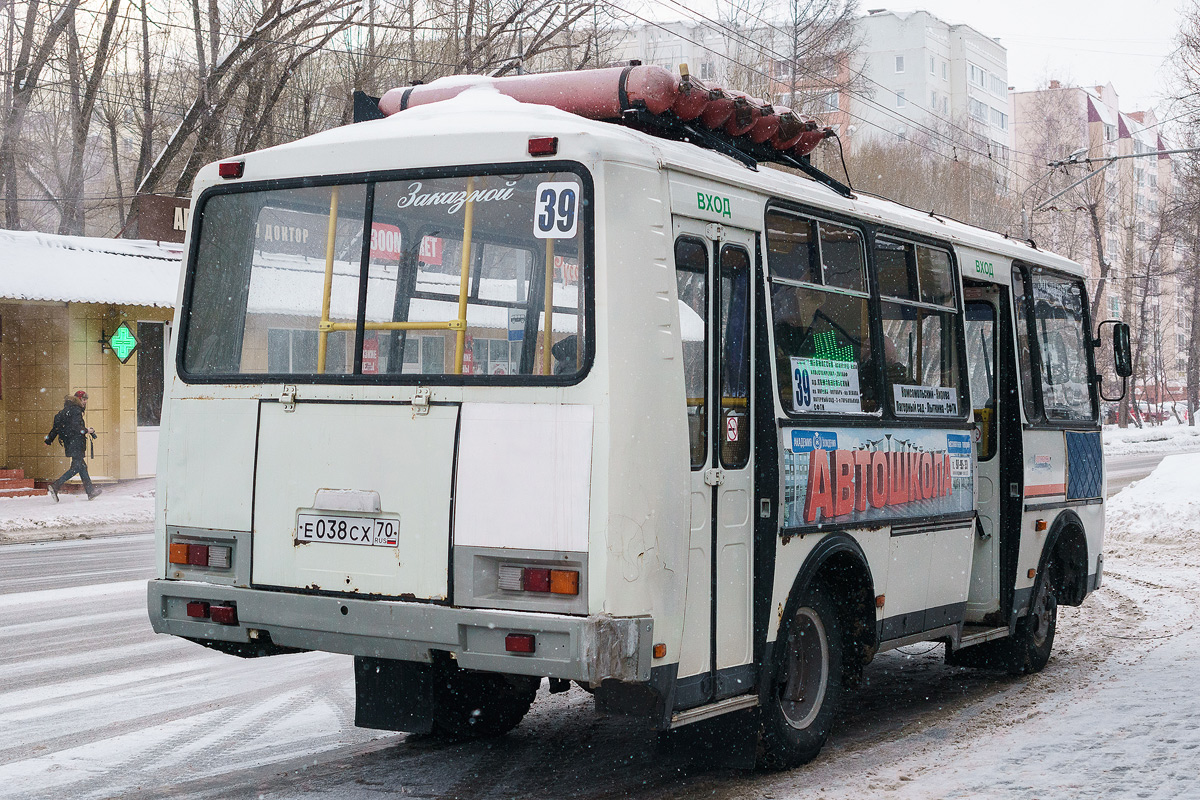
(446,276)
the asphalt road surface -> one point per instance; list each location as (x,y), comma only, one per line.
(93,704)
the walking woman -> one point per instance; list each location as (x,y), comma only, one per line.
(72,431)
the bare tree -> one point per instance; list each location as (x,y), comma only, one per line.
(34,41)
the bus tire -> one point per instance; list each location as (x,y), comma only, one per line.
(804,687)
(479,705)
(1027,650)
(1034,636)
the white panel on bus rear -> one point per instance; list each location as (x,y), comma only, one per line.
(303,542)
(208,462)
(524,473)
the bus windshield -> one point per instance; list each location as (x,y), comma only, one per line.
(402,280)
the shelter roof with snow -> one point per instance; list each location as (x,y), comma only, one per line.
(81,269)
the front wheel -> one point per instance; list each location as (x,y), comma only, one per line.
(805,685)
(1034,637)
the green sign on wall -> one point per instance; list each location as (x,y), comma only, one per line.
(123,343)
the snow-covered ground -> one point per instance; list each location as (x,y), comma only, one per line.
(1169,437)
(124,507)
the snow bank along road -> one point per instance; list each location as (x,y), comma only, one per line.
(94,705)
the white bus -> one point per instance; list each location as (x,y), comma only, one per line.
(486,392)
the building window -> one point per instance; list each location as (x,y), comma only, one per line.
(932,65)
(977,110)
(1153,181)
(933,99)
(708,71)
(1114,306)
(1110,133)
(900,101)
(1153,206)
(899,63)
(945,104)
(1000,119)
(998,86)
(832,102)
(977,75)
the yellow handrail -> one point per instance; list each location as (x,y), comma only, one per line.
(451,325)
(727,402)
(322,326)
(461,337)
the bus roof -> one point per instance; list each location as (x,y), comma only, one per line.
(498,127)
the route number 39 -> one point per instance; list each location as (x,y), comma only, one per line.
(556,210)
(802,398)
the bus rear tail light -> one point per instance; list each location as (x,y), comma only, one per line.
(520,643)
(223,615)
(543,146)
(564,581)
(231,169)
(542,580)
(200,555)
(537,579)
(197,609)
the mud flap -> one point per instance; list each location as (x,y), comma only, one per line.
(393,695)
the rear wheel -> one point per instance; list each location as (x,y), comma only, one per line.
(479,705)
(805,687)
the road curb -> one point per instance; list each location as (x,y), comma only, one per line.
(67,533)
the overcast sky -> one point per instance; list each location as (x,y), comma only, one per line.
(1085,42)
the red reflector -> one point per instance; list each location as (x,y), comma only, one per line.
(225,615)
(197,608)
(231,169)
(198,555)
(519,643)
(537,579)
(543,146)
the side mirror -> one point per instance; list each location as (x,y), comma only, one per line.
(1122,360)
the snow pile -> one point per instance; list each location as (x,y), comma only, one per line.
(1163,508)
(1150,439)
(124,507)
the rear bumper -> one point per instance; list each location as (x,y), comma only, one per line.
(586,649)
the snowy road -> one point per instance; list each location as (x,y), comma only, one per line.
(94,705)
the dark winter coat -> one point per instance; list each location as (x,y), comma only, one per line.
(70,428)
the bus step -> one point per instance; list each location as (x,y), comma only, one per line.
(713,709)
(978,634)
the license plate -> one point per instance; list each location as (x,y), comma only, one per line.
(340,529)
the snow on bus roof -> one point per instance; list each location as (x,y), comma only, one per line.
(83,269)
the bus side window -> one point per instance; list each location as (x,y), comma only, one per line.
(981,366)
(691,279)
(735,357)
(1025,346)
(920,329)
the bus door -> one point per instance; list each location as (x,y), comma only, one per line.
(715,264)
(991,361)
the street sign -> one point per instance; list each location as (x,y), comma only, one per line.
(123,343)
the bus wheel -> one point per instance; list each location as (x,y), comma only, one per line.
(479,705)
(1034,637)
(805,685)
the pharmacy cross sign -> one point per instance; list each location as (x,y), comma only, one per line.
(123,343)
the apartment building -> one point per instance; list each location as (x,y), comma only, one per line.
(1128,199)
(920,74)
